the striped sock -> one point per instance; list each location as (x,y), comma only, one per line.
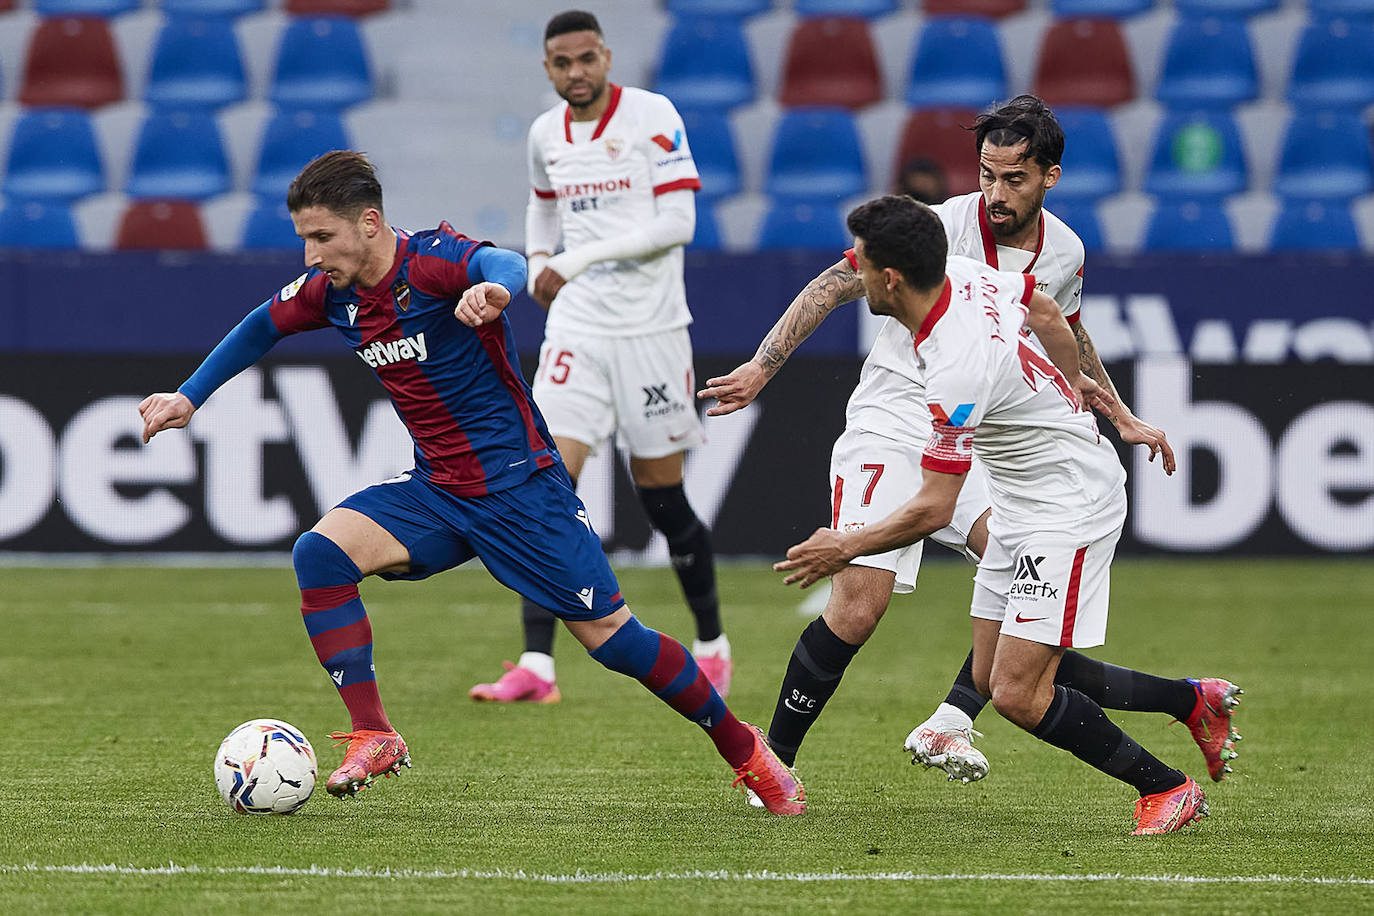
(664,665)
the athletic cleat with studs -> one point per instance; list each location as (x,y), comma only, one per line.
(1170,810)
(1210,723)
(774,784)
(517,685)
(369,754)
(948,747)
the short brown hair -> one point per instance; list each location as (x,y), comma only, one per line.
(341,181)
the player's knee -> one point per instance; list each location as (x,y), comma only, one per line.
(855,620)
(1012,700)
(319,562)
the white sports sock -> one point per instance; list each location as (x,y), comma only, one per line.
(951,715)
(718,647)
(537,662)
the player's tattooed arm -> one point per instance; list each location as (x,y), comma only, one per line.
(1092,367)
(1132,429)
(834,287)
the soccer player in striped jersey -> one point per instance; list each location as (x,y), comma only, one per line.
(425,312)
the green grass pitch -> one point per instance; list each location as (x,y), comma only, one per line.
(120,682)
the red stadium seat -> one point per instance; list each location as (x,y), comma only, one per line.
(71,62)
(941,135)
(161,225)
(336,7)
(1084,62)
(992,9)
(831,62)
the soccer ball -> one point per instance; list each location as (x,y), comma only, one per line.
(265,766)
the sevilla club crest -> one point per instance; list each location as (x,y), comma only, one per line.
(614,148)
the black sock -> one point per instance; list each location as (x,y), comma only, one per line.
(1112,687)
(539,626)
(963,694)
(1078,725)
(689,547)
(813,674)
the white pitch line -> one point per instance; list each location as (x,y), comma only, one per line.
(585,877)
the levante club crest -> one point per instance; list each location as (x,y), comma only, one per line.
(401,291)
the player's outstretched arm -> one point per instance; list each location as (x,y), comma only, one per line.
(167,410)
(1131,428)
(834,287)
(496,273)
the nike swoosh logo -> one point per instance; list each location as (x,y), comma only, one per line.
(1020,619)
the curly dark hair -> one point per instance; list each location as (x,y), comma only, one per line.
(1027,119)
(571,21)
(903,234)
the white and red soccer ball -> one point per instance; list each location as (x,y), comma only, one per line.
(265,766)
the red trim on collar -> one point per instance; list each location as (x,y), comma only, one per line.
(937,311)
(601,124)
(990,243)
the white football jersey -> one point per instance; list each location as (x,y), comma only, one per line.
(605,177)
(890,397)
(993,392)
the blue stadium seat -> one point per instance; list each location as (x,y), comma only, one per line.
(1239,8)
(866,9)
(707,237)
(1334,66)
(178,154)
(804,225)
(85,7)
(713,149)
(53,155)
(1091,166)
(1315,225)
(816,154)
(1196,155)
(704,63)
(1189,225)
(289,141)
(196,63)
(1341,7)
(1088,9)
(1324,155)
(37,224)
(1209,61)
(269,228)
(321,63)
(211,7)
(957,62)
(1081,216)
(718,7)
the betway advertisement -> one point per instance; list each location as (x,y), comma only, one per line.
(1274,458)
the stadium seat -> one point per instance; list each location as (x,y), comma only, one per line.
(1240,8)
(36,224)
(816,154)
(957,62)
(1188,226)
(196,63)
(1084,62)
(289,141)
(992,9)
(707,237)
(211,7)
(1197,155)
(53,154)
(704,63)
(831,62)
(71,62)
(1208,62)
(1081,216)
(1341,7)
(942,136)
(85,7)
(321,63)
(1334,66)
(336,7)
(1324,155)
(713,149)
(1070,9)
(157,225)
(718,7)
(1314,225)
(178,155)
(792,224)
(269,228)
(867,9)
(1091,166)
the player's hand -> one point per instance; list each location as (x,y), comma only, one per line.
(481,303)
(734,391)
(164,411)
(823,554)
(1135,431)
(1092,396)
(547,285)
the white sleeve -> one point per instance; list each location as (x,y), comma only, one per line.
(673,224)
(542,229)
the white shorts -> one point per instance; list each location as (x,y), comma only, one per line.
(641,388)
(871,476)
(1046,587)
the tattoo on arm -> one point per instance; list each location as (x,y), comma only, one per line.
(1091,363)
(836,286)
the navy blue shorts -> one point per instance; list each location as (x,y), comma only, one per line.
(534,538)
